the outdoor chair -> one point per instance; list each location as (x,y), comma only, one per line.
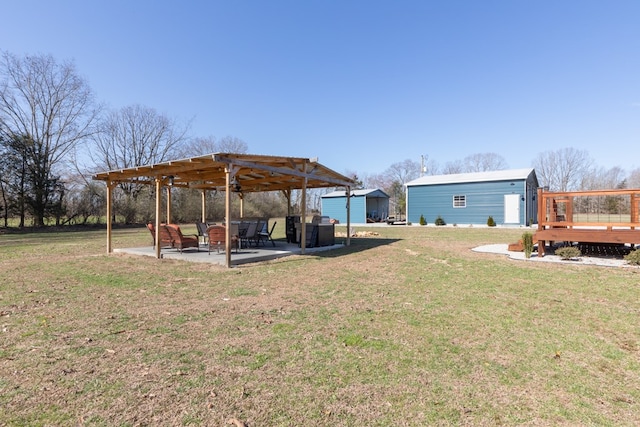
(202,231)
(217,235)
(251,234)
(265,233)
(181,241)
(165,239)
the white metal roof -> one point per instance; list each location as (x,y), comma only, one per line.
(503,175)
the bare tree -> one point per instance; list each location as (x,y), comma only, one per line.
(453,167)
(403,172)
(563,169)
(395,177)
(134,136)
(432,167)
(51,109)
(483,162)
(633,179)
(603,179)
(207,145)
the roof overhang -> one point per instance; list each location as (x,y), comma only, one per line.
(253,173)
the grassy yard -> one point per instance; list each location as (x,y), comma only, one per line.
(405,328)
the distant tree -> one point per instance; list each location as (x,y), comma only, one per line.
(563,169)
(633,179)
(135,136)
(396,176)
(603,179)
(432,167)
(208,145)
(450,168)
(484,162)
(358,183)
(46,110)
(377,180)
(13,177)
(403,172)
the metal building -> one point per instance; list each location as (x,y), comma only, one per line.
(508,196)
(366,205)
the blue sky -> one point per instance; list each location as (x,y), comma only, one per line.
(362,84)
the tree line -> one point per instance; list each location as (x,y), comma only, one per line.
(565,169)
(55,134)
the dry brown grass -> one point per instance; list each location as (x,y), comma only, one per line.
(405,328)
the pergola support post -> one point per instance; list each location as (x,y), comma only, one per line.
(158,206)
(227,217)
(303,214)
(348,241)
(168,204)
(203,197)
(110,186)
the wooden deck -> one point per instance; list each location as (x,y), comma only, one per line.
(577,217)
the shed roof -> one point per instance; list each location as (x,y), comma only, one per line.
(252,172)
(376,192)
(502,175)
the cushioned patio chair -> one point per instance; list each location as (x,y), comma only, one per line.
(181,241)
(165,238)
(217,235)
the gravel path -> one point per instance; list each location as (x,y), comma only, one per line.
(587,260)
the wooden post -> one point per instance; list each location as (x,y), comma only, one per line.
(204,205)
(110,186)
(348,216)
(168,204)
(227,217)
(158,206)
(542,213)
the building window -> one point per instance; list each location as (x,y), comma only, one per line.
(459,201)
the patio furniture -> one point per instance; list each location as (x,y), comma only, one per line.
(165,239)
(217,235)
(250,234)
(265,233)
(181,241)
(202,231)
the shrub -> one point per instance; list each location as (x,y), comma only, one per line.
(527,244)
(422,220)
(633,257)
(491,222)
(440,221)
(568,252)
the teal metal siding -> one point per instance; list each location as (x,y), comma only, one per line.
(483,199)
(336,208)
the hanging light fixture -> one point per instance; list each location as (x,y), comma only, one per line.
(171,178)
(235,185)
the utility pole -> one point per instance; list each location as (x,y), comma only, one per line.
(423,167)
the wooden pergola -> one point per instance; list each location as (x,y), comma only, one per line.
(227,172)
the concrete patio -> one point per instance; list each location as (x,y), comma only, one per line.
(243,256)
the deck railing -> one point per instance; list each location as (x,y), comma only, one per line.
(597,216)
(597,208)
